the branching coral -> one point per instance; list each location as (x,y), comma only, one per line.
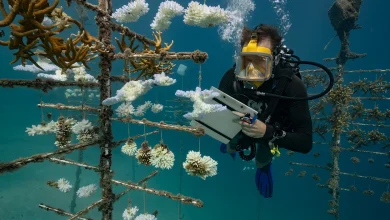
(146,216)
(162,157)
(85,131)
(129,213)
(200,99)
(130,148)
(45,128)
(196,165)
(86,191)
(147,67)
(205,16)
(32,30)
(134,89)
(166,11)
(130,92)
(131,12)
(43,62)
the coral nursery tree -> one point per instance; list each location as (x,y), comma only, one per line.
(348,115)
(42,45)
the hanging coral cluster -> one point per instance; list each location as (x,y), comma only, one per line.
(32,32)
(196,14)
(63,130)
(64,186)
(160,156)
(143,154)
(134,89)
(196,165)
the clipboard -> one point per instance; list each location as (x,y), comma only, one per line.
(223,125)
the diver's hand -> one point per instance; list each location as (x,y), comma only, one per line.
(255,130)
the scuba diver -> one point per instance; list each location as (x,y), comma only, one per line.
(266,78)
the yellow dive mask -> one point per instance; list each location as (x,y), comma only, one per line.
(254,64)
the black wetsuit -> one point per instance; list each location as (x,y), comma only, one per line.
(294,116)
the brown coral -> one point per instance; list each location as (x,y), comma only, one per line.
(144,154)
(30,31)
(146,67)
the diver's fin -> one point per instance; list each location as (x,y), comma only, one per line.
(264,181)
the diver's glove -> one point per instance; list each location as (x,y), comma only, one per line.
(223,149)
(264,181)
(234,142)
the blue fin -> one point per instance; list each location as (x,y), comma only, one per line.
(264,181)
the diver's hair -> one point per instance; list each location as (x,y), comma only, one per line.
(263,30)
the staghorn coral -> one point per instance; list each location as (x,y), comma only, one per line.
(32,32)
(147,67)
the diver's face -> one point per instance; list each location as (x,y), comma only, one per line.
(258,62)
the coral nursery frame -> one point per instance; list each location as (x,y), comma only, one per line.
(106,143)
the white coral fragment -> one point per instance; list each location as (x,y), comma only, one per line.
(130,148)
(146,217)
(200,106)
(141,110)
(58,76)
(48,128)
(64,185)
(82,125)
(125,109)
(162,157)
(166,11)
(156,108)
(163,80)
(129,92)
(80,74)
(42,61)
(205,16)
(86,191)
(196,165)
(129,213)
(131,12)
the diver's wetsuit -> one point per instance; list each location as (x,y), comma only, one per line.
(294,116)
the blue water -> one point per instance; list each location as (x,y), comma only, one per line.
(232,193)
